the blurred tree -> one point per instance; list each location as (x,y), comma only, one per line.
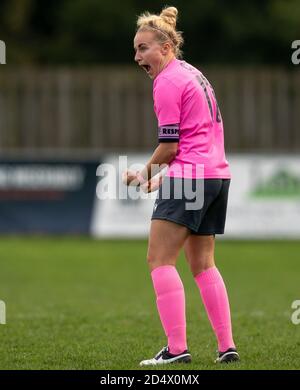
(101,31)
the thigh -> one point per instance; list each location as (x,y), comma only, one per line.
(165,241)
(199,252)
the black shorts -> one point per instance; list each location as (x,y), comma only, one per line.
(207,200)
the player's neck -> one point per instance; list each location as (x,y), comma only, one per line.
(167,62)
(170,59)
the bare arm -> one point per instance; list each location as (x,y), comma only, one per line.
(162,156)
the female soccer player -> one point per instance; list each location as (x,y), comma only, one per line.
(190,135)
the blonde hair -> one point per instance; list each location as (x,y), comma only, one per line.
(164,27)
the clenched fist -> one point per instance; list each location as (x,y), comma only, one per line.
(129,178)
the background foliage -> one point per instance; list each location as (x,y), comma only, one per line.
(101,31)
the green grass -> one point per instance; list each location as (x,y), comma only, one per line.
(83,304)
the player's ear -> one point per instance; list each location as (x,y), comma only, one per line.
(166,47)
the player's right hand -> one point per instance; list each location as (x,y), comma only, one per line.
(152,185)
(129,178)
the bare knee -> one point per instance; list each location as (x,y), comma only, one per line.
(165,241)
(154,260)
(199,251)
(202,264)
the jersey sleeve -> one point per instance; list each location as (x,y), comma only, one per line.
(167,106)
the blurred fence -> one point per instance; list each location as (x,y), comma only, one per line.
(111,108)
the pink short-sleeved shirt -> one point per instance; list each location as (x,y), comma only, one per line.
(188,113)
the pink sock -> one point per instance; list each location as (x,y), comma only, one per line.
(215,299)
(171,306)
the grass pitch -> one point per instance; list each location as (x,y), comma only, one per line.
(85,304)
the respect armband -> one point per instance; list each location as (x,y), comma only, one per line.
(168,133)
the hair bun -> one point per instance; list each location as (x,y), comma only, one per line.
(169,15)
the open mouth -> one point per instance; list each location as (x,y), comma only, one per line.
(147,68)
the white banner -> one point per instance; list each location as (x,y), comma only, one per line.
(127,217)
(264,200)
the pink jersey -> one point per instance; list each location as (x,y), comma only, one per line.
(187,113)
